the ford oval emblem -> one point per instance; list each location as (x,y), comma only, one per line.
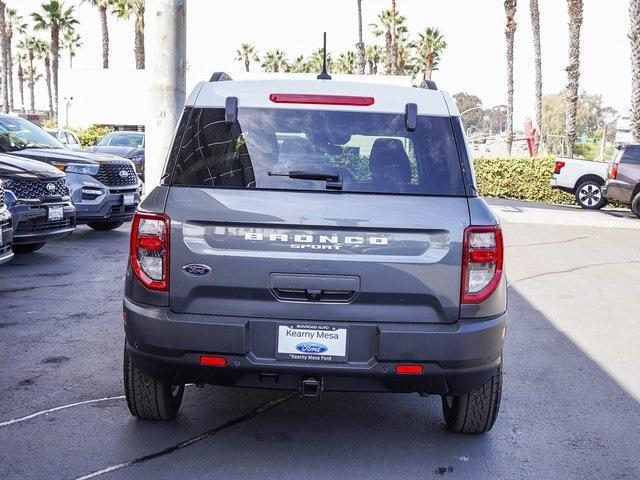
(124,173)
(311,347)
(197,269)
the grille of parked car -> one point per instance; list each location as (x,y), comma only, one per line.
(117,174)
(30,189)
(1,194)
(40,225)
(4,226)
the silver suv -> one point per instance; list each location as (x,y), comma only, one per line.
(317,236)
(104,188)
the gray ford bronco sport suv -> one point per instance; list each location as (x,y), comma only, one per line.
(317,235)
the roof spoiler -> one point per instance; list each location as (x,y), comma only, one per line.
(429,85)
(220,77)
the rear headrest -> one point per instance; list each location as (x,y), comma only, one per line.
(389,154)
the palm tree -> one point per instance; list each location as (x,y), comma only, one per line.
(29,45)
(3,55)
(373,55)
(102,6)
(34,77)
(510,30)
(429,48)
(535,24)
(299,65)
(21,57)
(274,61)
(634,36)
(384,29)
(71,41)
(394,39)
(314,63)
(347,63)
(406,64)
(575,8)
(56,18)
(125,9)
(43,52)
(389,22)
(247,53)
(360,45)
(15,24)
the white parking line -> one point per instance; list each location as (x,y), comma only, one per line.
(63,407)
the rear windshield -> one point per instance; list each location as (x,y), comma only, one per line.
(279,149)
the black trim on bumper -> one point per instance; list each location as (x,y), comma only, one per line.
(456,358)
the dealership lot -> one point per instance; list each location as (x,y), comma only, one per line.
(571,396)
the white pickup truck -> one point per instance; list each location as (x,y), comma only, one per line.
(582,178)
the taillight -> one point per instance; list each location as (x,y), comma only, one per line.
(149,249)
(317,99)
(558,166)
(482,263)
(613,171)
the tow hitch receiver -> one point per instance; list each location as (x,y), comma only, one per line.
(311,387)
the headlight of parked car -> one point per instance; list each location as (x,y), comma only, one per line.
(137,158)
(83,168)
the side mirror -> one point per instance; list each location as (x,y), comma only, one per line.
(411,116)
(231,110)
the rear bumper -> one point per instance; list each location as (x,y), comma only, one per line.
(617,191)
(553,183)
(456,358)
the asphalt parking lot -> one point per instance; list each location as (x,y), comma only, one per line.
(571,395)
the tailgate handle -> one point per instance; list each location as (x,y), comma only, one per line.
(314,288)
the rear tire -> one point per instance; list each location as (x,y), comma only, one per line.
(635,205)
(27,247)
(103,227)
(147,398)
(474,412)
(589,195)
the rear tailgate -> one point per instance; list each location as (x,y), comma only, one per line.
(316,256)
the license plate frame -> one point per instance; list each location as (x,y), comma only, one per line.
(55,214)
(129,199)
(312,343)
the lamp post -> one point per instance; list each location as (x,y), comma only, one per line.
(67,105)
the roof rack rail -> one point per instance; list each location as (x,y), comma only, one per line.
(429,85)
(220,77)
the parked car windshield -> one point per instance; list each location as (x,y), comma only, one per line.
(123,139)
(269,148)
(17,134)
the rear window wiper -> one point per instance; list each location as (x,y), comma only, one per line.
(334,182)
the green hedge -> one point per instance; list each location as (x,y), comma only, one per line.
(519,178)
(89,136)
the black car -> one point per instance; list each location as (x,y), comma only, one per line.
(38,200)
(6,232)
(123,144)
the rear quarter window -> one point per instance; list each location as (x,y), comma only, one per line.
(370,152)
(631,156)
